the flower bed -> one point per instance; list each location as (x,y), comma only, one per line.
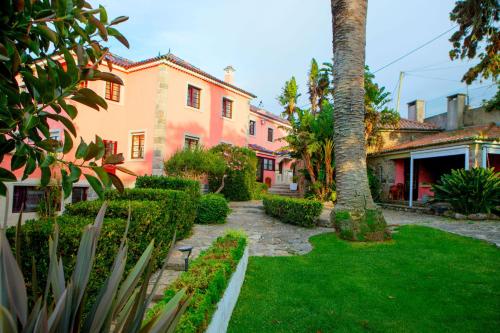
(206,280)
(301,212)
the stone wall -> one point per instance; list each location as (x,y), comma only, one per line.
(392,138)
(385,170)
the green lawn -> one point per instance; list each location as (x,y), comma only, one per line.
(425,280)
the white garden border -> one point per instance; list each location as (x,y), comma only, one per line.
(221,317)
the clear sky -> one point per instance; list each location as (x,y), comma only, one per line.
(268,41)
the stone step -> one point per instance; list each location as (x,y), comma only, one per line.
(167,278)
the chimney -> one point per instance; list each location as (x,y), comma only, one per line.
(416,110)
(229,74)
(455,112)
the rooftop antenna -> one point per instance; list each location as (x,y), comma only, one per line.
(261,105)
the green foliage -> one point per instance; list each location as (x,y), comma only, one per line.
(212,209)
(425,280)
(260,190)
(377,112)
(374,183)
(35,88)
(288,98)
(179,205)
(50,203)
(477,36)
(114,294)
(302,212)
(239,177)
(469,191)
(192,187)
(494,103)
(206,279)
(194,163)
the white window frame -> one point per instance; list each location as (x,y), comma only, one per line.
(200,109)
(191,136)
(222,108)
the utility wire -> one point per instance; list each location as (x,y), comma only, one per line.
(432,78)
(415,49)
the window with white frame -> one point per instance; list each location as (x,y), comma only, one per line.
(227,108)
(191,142)
(251,127)
(27,199)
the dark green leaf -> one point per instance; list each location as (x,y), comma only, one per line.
(96,185)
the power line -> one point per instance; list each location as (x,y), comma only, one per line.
(432,78)
(415,49)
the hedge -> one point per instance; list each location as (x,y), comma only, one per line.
(212,208)
(170,183)
(179,204)
(35,235)
(206,280)
(301,212)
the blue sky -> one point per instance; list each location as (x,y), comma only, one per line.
(269,41)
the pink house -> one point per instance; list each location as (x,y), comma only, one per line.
(164,105)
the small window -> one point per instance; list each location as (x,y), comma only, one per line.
(227,108)
(79,193)
(83,84)
(268,164)
(270,134)
(28,199)
(137,148)
(191,142)
(113,91)
(193,97)
(110,148)
(56,135)
(251,127)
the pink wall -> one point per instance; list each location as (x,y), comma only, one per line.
(262,123)
(399,171)
(206,122)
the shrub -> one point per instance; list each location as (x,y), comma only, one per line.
(122,297)
(260,190)
(469,191)
(206,279)
(194,163)
(239,177)
(374,183)
(212,208)
(170,183)
(179,204)
(301,212)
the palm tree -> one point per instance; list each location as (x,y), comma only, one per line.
(288,98)
(356,217)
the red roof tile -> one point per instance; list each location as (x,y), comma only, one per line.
(406,124)
(129,64)
(484,133)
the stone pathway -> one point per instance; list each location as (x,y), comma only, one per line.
(484,230)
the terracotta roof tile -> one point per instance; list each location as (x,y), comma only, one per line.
(268,114)
(129,64)
(260,148)
(406,124)
(485,133)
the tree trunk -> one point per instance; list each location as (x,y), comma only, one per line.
(355,208)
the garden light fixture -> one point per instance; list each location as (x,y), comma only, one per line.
(186,252)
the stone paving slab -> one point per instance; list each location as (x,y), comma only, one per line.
(484,230)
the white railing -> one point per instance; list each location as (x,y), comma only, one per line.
(284,178)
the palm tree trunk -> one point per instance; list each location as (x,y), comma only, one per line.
(354,201)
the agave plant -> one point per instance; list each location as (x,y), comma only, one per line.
(119,306)
(469,191)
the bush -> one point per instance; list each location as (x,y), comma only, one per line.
(194,163)
(241,168)
(301,212)
(206,280)
(179,204)
(375,186)
(170,183)
(260,190)
(469,191)
(212,208)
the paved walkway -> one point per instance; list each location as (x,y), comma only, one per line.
(485,230)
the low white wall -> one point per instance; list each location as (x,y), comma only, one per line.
(221,317)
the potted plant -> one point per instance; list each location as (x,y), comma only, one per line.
(294,185)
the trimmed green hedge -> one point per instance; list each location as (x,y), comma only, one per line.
(170,183)
(206,280)
(35,235)
(179,204)
(301,212)
(212,208)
